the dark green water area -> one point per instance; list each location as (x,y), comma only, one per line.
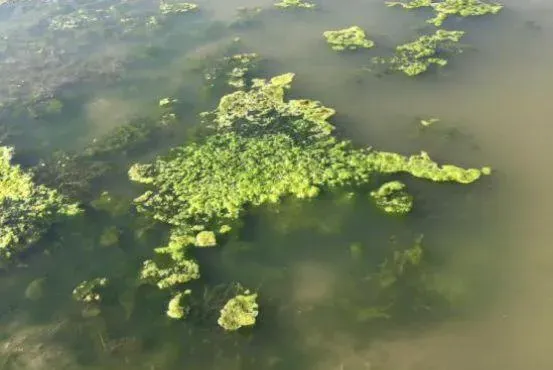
(259,184)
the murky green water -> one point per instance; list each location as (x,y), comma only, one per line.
(481,298)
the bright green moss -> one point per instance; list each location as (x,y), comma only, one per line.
(392,198)
(177,308)
(416,57)
(206,239)
(295,4)
(352,38)
(447,8)
(170,7)
(239,311)
(89,290)
(27,210)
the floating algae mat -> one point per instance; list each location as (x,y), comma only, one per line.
(236,217)
(263,148)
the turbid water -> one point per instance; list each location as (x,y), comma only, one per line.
(482,300)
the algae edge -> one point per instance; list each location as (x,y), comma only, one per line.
(262,148)
(27,210)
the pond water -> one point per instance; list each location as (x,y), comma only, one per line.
(481,298)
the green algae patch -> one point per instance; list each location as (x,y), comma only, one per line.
(414,58)
(392,198)
(170,7)
(295,4)
(27,210)
(179,272)
(352,38)
(206,239)
(232,70)
(89,291)
(178,307)
(447,8)
(238,312)
(262,148)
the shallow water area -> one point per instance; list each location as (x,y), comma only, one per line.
(328,297)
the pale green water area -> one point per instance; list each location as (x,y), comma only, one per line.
(74,72)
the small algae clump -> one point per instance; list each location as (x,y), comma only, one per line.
(176,308)
(239,311)
(169,7)
(416,57)
(233,70)
(167,102)
(27,210)
(180,272)
(295,4)
(392,198)
(88,291)
(352,38)
(206,239)
(447,8)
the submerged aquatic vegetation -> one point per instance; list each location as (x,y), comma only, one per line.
(35,289)
(414,58)
(89,290)
(177,307)
(239,311)
(392,198)
(171,7)
(109,237)
(295,4)
(246,16)
(352,38)
(233,69)
(447,8)
(27,210)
